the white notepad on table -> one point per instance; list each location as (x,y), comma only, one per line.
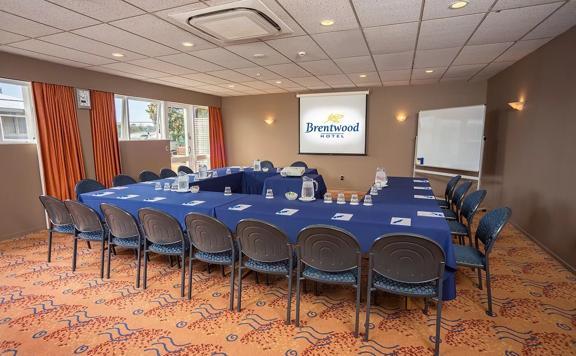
(194,202)
(129,196)
(102,194)
(342,216)
(119,188)
(431,214)
(239,207)
(149,182)
(287,212)
(423,188)
(419,196)
(154,199)
(401,221)
(420,180)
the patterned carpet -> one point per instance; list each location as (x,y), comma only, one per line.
(47,309)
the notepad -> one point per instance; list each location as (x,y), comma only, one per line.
(420,180)
(431,214)
(102,194)
(287,212)
(401,221)
(423,188)
(239,207)
(342,217)
(149,182)
(119,188)
(194,202)
(129,196)
(418,196)
(154,199)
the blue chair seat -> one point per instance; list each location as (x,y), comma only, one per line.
(268,267)
(222,258)
(170,249)
(469,256)
(130,242)
(92,236)
(348,277)
(449,214)
(457,228)
(426,289)
(64,229)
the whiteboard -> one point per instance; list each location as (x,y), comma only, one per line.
(451,138)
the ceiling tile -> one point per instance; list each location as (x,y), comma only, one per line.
(392,38)
(47,13)
(510,25)
(336,80)
(284,83)
(421,73)
(62,52)
(24,26)
(323,67)
(288,70)
(463,71)
(395,75)
(332,43)
(236,87)
(311,83)
(123,39)
(42,56)
(231,75)
(8,37)
(103,10)
(423,81)
(160,31)
(249,50)
(378,13)
(155,64)
(155,5)
(183,81)
(481,54)
(223,57)
(205,78)
(395,83)
(309,14)
(393,61)
(259,73)
(259,85)
(510,4)
(187,61)
(447,32)
(118,72)
(560,21)
(290,47)
(435,57)
(521,49)
(440,8)
(370,80)
(71,40)
(129,68)
(356,64)
(493,68)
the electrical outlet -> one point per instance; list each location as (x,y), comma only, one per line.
(341,177)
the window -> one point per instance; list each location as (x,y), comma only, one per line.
(16,118)
(137,118)
(201,136)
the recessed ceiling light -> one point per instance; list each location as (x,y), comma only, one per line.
(455,5)
(302,53)
(362,75)
(278,82)
(258,55)
(187,44)
(258,74)
(327,22)
(116,54)
(231,86)
(429,70)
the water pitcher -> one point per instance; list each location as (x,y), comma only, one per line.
(309,186)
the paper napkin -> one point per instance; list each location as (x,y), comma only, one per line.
(239,207)
(431,214)
(102,194)
(154,199)
(119,188)
(342,217)
(420,180)
(287,212)
(401,221)
(423,188)
(418,196)
(129,196)
(194,202)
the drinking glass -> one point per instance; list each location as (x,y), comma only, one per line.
(374,190)
(354,199)
(269,194)
(278,169)
(328,198)
(228,171)
(166,186)
(341,199)
(368,200)
(195,188)
(227,191)
(378,185)
(158,186)
(241,169)
(214,173)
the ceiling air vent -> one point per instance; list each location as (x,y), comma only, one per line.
(233,22)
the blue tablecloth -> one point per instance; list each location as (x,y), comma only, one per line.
(401,191)
(281,185)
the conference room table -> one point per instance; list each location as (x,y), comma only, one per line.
(281,185)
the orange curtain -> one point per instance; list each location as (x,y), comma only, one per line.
(104,137)
(217,154)
(59,138)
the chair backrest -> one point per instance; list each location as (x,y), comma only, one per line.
(87,186)
(167,173)
(407,258)
(122,179)
(299,164)
(460,192)
(267,164)
(327,248)
(120,222)
(185,169)
(491,225)
(159,227)
(450,186)
(56,210)
(471,203)
(262,241)
(146,176)
(84,218)
(208,234)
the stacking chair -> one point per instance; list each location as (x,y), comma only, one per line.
(146,176)
(460,191)
(211,242)
(450,186)
(87,186)
(88,227)
(167,173)
(123,232)
(267,164)
(122,179)
(299,164)
(470,206)
(267,251)
(185,169)
(59,217)
(409,265)
(488,230)
(163,236)
(327,254)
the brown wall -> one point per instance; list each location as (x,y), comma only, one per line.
(530,165)
(390,144)
(136,156)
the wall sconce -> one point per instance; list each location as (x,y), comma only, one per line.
(401,117)
(269,120)
(517,105)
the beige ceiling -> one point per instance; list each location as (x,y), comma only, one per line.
(388,42)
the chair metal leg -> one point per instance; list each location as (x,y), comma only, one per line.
(289,303)
(108,262)
(145,276)
(357,320)
(426,306)
(239,306)
(222,270)
(74,251)
(209,268)
(183,279)
(298,282)
(480,278)
(267,279)
(102,258)
(256,277)
(49,245)
(114,250)
(170,260)
(139,264)
(489,312)
(88,243)
(316,288)
(178,262)
(190,277)
(438,323)
(232,269)
(368,297)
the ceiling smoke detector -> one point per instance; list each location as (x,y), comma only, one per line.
(233,22)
